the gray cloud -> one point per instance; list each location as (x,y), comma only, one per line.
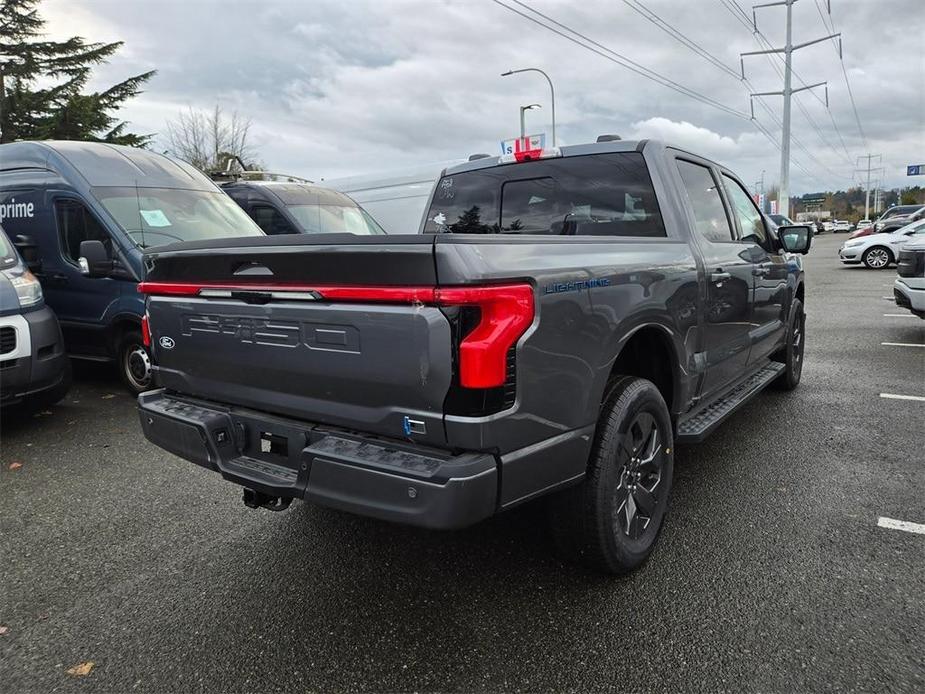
(353,86)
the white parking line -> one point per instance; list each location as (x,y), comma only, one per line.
(899,315)
(900,344)
(889,298)
(894,524)
(893,396)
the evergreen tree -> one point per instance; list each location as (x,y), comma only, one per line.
(60,111)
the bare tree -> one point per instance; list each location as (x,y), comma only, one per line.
(207,139)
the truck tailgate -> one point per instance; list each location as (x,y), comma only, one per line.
(254,326)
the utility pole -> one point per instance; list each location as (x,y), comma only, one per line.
(783,204)
(869,158)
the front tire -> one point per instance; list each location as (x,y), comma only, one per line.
(134,362)
(792,353)
(877,258)
(610,521)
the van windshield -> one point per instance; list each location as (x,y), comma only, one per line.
(158,216)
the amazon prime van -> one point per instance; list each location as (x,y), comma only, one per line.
(80,214)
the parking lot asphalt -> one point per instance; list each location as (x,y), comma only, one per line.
(771,574)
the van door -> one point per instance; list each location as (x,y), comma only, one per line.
(81,302)
(727,278)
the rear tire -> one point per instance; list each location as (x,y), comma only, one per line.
(792,353)
(134,362)
(877,258)
(610,521)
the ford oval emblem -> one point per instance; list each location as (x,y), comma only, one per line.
(166,342)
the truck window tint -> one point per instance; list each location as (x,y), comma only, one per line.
(592,195)
(749,217)
(75,224)
(270,220)
(705,201)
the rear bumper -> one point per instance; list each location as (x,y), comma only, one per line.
(909,297)
(386,479)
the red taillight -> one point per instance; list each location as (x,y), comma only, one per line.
(506,311)
(145,331)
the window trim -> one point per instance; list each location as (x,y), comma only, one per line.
(692,220)
(739,235)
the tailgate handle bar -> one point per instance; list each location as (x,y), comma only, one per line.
(252,270)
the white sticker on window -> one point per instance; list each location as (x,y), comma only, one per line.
(154,218)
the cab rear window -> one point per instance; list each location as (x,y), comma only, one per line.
(592,195)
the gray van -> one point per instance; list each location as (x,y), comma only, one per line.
(81,212)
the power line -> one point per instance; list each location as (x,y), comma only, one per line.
(841,62)
(739,14)
(614,57)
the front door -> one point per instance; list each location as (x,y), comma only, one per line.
(769,312)
(80,302)
(727,282)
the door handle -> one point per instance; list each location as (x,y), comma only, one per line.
(719,276)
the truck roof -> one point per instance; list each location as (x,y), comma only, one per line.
(102,164)
(574,151)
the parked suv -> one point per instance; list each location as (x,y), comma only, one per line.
(34,369)
(82,212)
(561,322)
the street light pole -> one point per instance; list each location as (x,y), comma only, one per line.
(523,126)
(552,95)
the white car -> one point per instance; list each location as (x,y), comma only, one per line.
(841,225)
(864,223)
(877,251)
(828,226)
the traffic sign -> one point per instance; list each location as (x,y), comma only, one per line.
(915,170)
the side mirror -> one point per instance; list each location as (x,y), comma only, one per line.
(795,239)
(94,261)
(29,251)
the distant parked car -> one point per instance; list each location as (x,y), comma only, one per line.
(864,223)
(841,225)
(899,216)
(828,226)
(877,251)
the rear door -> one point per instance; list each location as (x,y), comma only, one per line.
(727,277)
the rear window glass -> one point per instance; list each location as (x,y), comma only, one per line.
(592,195)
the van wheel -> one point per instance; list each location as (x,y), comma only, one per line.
(134,361)
(610,522)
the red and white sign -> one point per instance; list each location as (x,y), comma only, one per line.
(529,147)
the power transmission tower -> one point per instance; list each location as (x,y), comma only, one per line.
(869,158)
(783,205)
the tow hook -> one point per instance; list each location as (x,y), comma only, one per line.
(254,499)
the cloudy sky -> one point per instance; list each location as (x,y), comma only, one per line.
(343,87)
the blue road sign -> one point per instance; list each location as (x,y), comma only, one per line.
(915,170)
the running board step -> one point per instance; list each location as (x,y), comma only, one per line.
(697,427)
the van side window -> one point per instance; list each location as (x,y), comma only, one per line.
(705,201)
(76,224)
(270,220)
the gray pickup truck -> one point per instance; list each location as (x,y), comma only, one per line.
(559,324)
